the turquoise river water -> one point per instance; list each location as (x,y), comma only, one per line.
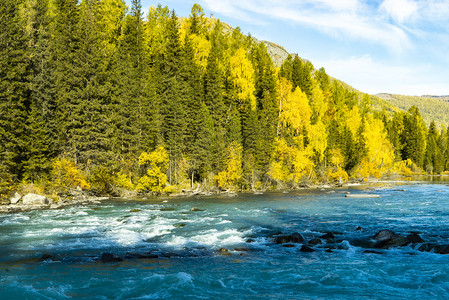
(172,252)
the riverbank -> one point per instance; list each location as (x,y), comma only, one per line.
(78,197)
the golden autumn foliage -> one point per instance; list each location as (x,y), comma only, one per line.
(290,163)
(295,111)
(318,140)
(66,174)
(405,167)
(155,180)
(335,171)
(231,176)
(353,120)
(202,48)
(242,76)
(380,153)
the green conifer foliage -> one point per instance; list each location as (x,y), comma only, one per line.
(267,107)
(14,88)
(42,122)
(414,137)
(170,89)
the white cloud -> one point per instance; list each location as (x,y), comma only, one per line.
(350,18)
(370,76)
(400,10)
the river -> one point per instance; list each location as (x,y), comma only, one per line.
(221,247)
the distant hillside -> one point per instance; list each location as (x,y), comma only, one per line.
(431,107)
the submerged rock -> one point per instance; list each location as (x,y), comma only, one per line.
(135,210)
(241,249)
(328,236)
(109,257)
(196,209)
(315,242)
(131,255)
(414,238)
(48,257)
(306,248)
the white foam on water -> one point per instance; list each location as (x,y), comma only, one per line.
(81,213)
(213,237)
(124,237)
(224,222)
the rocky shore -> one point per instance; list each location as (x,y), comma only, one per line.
(31,201)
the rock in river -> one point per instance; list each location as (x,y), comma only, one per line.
(292,238)
(35,199)
(108,257)
(387,238)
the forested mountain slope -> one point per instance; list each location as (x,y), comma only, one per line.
(95,96)
(431,107)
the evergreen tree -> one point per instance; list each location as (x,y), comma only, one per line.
(65,47)
(170,89)
(414,137)
(267,108)
(42,122)
(433,160)
(14,88)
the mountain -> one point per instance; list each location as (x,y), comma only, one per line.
(431,107)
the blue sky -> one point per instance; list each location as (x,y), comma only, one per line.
(392,46)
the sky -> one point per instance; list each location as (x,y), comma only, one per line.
(376,46)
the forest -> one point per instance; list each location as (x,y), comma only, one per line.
(103,97)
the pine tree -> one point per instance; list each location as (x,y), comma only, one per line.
(65,47)
(267,108)
(14,88)
(170,90)
(414,137)
(42,124)
(135,101)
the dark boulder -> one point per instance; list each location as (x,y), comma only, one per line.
(48,257)
(383,235)
(441,249)
(387,238)
(109,257)
(131,255)
(359,228)
(305,248)
(414,238)
(288,245)
(328,236)
(241,249)
(315,242)
(283,239)
(293,238)
(297,238)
